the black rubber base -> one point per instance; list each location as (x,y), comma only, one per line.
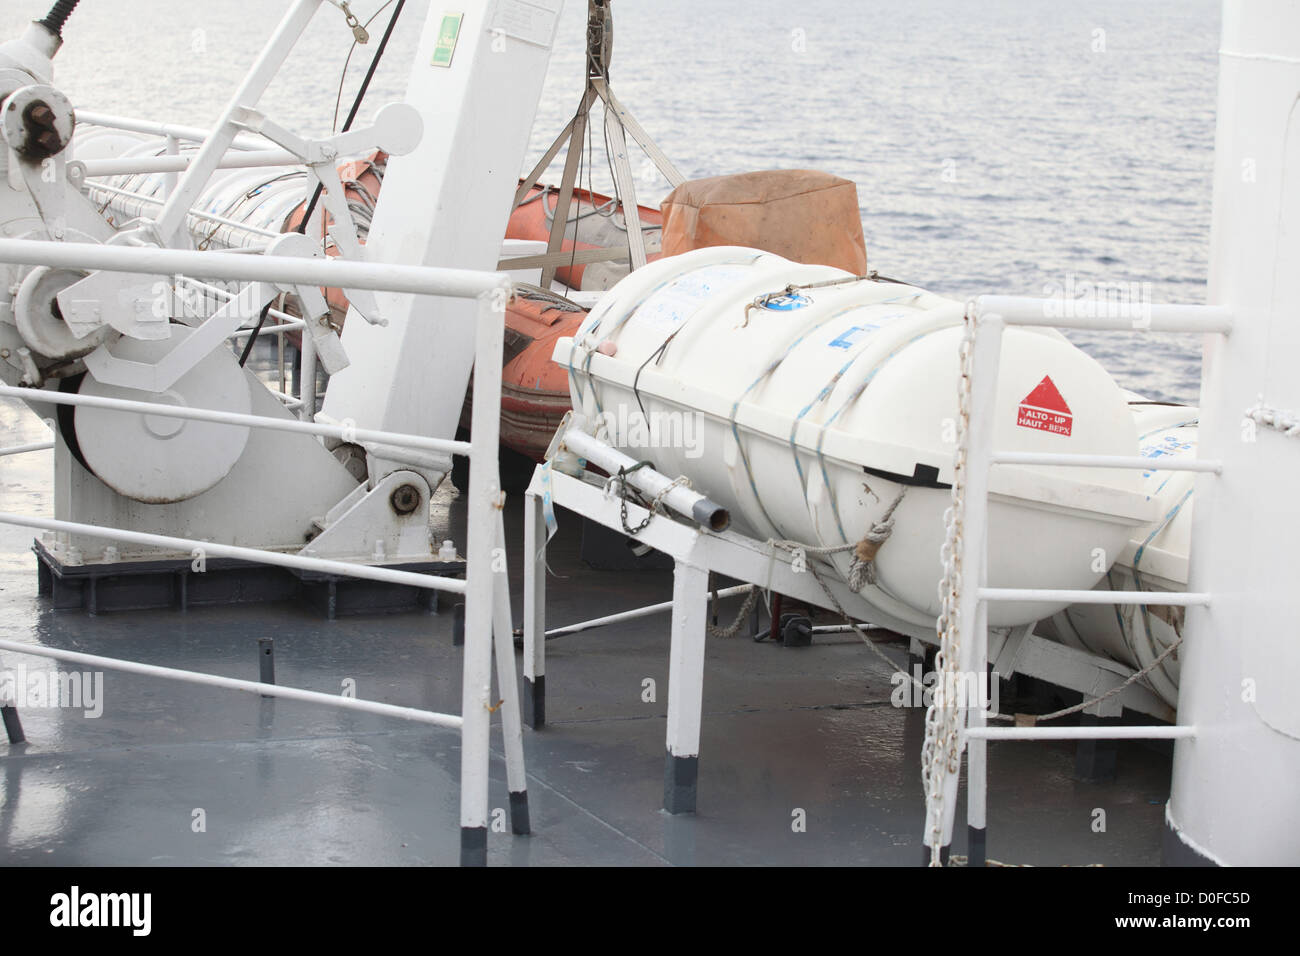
(13,726)
(519,824)
(458,626)
(796,630)
(535,702)
(173,583)
(977,846)
(1174,852)
(266,660)
(1095,760)
(473,846)
(945,854)
(681,776)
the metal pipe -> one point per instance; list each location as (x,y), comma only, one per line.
(429,582)
(1079,733)
(1024,310)
(341,432)
(197,214)
(170,224)
(285,323)
(167,163)
(330,272)
(631,615)
(1070,596)
(277,329)
(189,133)
(171,146)
(23,449)
(1105,461)
(683,500)
(843,628)
(449,721)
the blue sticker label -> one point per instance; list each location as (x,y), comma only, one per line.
(787,302)
(1169,445)
(850,337)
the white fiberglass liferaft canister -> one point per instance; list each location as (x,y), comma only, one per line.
(808,414)
(1155,559)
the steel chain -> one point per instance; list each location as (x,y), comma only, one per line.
(941,752)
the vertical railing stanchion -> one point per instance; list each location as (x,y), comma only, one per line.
(986,352)
(481,525)
(512,730)
(534,612)
(307,377)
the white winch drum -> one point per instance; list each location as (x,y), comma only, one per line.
(157,459)
(842,396)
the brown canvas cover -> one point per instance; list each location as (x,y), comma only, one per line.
(802,214)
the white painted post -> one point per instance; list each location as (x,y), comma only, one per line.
(171,146)
(977,772)
(512,731)
(685,686)
(483,512)
(1233,791)
(307,378)
(534,612)
(985,358)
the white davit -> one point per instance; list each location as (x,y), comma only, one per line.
(806,401)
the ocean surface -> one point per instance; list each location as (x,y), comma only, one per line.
(1011,146)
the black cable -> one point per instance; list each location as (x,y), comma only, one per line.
(58,16)
(356,105)
(248,346)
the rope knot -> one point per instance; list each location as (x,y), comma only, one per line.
(862,570)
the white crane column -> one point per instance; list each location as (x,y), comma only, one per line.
(1235,783)
(476,82)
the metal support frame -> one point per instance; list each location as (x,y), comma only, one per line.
(695,551)
(486,593)
(619,124)
(992,315)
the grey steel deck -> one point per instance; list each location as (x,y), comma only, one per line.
(289,783)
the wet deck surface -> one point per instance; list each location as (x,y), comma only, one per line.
(785,729)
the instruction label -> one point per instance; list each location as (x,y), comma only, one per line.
(531,22)
(448,34)
(684,296)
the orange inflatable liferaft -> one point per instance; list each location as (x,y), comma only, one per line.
(596,221)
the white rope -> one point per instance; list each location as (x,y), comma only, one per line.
(862,571)
(1287,422)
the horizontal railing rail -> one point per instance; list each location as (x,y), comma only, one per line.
(485,596)
(448,721)
(321,429)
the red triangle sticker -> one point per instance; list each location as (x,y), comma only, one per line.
(1046,396)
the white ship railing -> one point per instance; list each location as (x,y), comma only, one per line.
(991,316)
(487,616)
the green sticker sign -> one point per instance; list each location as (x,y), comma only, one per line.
(448,34)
